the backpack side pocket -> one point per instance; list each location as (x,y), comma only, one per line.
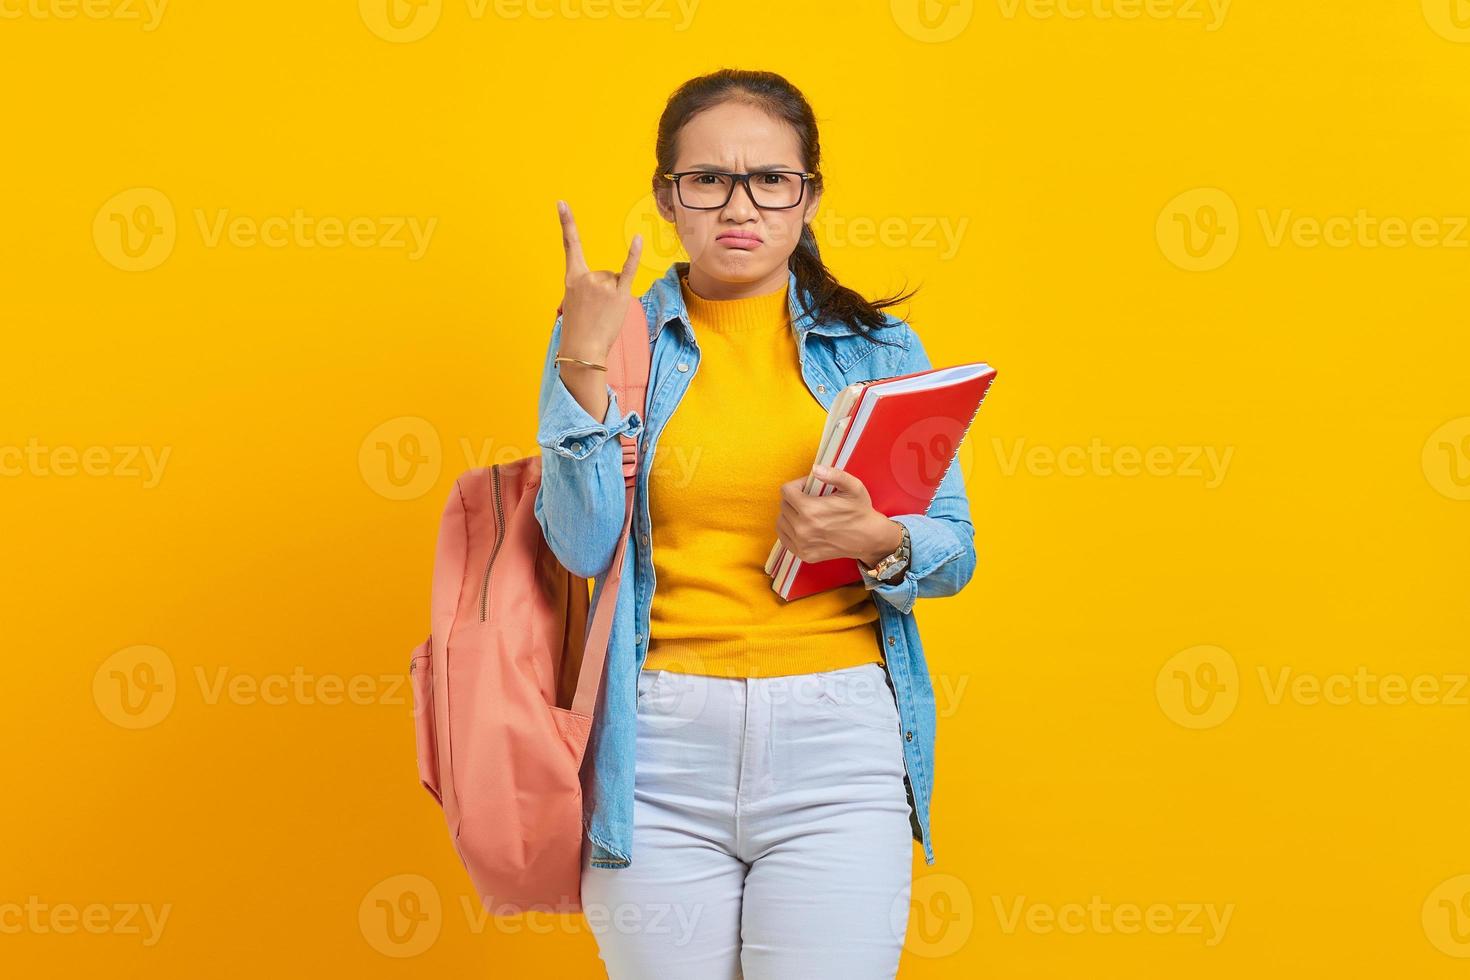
(421,679)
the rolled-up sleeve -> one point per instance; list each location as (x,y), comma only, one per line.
(568,429)
(580,502)
(941,540)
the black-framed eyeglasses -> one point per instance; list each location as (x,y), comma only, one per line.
(711,190)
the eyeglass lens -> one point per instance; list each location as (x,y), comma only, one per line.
(711,190)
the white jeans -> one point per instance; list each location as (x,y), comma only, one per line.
(771,833)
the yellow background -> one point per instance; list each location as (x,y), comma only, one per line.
(1112,729)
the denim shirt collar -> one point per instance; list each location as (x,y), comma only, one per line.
(665,300)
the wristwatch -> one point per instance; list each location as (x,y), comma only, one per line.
(888,565)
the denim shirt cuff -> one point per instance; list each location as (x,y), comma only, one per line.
(931,545)
(568,429)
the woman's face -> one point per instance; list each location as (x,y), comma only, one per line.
(737,138)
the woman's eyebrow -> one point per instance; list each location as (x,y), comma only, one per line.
(763,168)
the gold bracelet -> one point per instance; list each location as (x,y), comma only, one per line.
(578,360)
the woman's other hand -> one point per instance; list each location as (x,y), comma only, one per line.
(841,524)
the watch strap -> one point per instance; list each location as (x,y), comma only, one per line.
(891,564)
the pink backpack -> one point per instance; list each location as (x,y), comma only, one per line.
(504,687)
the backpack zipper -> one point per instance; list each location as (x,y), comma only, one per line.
(499,537)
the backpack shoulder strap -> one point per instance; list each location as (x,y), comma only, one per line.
(627,372)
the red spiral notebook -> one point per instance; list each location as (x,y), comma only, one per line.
(898,436)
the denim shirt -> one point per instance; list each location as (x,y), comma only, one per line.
(580,507)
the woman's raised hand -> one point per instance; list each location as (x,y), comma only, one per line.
(595,303)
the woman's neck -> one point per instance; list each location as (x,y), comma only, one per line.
(708,287)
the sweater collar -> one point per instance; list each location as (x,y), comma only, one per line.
(666,301)
(750,314)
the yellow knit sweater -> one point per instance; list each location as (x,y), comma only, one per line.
(746,424)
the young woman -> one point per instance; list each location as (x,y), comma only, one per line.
(758,769)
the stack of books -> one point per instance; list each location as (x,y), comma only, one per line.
(898,436)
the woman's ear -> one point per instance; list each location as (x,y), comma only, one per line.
(810,208)
(663,199)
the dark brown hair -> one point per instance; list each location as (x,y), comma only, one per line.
(776,96)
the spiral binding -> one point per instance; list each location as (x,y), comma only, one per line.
(960,442)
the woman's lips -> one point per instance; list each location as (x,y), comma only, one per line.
(735,241)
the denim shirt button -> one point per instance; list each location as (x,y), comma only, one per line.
(576,447)
(822,388)
(891,641)
(908,736)
(683,366)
